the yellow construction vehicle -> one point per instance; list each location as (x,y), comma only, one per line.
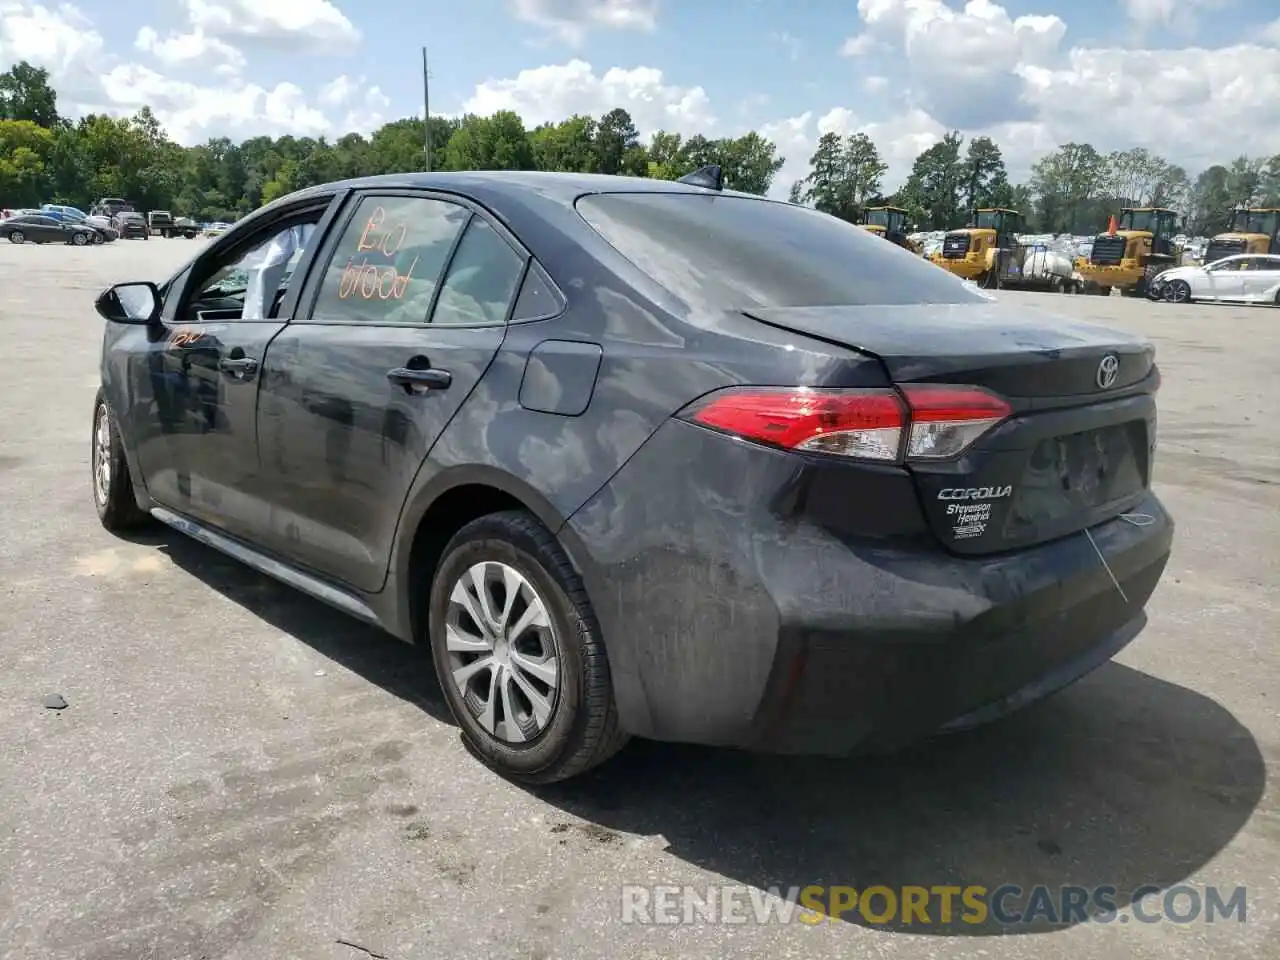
(977,252)
(891,224)
(1128,255)
(1253,230)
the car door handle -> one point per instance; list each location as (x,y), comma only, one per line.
(238,366)
(418,381)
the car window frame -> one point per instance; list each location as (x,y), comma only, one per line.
(255,230)
(342,222)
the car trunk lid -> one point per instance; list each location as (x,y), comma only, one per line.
(1076,449)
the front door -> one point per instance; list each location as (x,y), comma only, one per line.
(1225,280)
(404,321)
(234,303)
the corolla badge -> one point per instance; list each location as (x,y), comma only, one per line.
(1108,370)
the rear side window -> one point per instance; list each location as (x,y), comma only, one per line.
(388,261)
(735,253)
(482,279)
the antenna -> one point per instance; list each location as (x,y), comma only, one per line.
(426,111)
(710,176)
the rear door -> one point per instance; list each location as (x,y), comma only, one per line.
(1261,278)
(402,321)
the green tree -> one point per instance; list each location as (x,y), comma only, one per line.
(618,149)
(498,142)
(568,145)
(25,94)
(936,183)
(986,184)
(1063,183)
(843,173)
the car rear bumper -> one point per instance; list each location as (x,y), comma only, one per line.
(735,615)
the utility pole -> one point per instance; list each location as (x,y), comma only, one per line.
(426,111)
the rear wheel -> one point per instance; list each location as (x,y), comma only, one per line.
(112,487)
(79,239)
(17,236)
(518,651)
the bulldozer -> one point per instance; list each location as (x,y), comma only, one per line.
(889,223)
(1253,230)
(978,252)
(1129,254)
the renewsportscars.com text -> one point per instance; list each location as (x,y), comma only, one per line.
(1008,905)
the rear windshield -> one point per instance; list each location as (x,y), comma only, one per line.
(734,253)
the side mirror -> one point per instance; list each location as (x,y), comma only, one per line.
(129,303)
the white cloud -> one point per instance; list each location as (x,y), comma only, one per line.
(859,45)
(1180,14)
(365,104)
(874,84)
(314,25)
(193,49)
(63,41)
(1271,34)
(191,113)
(88,78)
(572,20)
(552,93)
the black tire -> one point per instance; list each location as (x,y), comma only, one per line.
(99,238)
(114,501)
(17,236)
(1178,291)
(582,730)
(79,239)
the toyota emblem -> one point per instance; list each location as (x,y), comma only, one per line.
(1108,370)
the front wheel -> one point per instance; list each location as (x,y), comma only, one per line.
(112,487)
(518,651)
(79,239)
(17,236)
(1178,291)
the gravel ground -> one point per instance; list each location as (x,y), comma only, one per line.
(243,773)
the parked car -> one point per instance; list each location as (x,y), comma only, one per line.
(37,228)
(111,206)
(644,458)
(1244,278)
(102,231)
(132,226)
(185,227)
(104,227)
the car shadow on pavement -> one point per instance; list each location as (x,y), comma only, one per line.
(399,668)
(1122,780)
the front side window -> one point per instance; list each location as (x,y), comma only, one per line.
(255,281)
(719,253)
(388,261)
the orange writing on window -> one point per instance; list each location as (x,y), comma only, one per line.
(375,238)
(369,281)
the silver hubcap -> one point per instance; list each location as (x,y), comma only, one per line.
(102,455)
(1178,293)
(502,652)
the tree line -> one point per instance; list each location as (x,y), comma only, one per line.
(45,157)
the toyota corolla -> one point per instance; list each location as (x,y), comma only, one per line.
(644,458)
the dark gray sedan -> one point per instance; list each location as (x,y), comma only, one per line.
(33,228)
(643,458)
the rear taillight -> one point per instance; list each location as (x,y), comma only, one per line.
(924,422)
(946,420)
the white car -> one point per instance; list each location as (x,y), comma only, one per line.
(1245,278)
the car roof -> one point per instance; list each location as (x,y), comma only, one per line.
(499,184)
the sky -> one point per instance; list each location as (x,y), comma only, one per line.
(1197,81)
